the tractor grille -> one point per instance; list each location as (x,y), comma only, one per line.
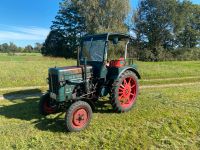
(53,83)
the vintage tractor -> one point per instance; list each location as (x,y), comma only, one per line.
(102,69)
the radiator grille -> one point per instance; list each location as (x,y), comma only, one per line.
(53,83)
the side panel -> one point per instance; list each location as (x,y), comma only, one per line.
(72,80)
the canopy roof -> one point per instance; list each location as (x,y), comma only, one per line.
(109,36)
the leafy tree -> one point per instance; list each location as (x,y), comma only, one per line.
(189,35)
(154,21)
(53,45)
(37,47)
(104,15)
(28,49)
(165,25)
(65,31)
(79,17)
(4,47)
(12,47)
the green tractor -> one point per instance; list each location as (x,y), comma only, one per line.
(102,69)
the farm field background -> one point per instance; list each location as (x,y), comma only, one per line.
(163,118)
(32,69)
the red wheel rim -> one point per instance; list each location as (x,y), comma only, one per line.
(80,118)
(48,109)
(127,92)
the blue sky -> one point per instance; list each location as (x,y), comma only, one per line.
(27,21)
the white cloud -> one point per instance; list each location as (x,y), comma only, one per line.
(13,33)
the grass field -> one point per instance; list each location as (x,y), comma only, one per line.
(17,71)
(163,118)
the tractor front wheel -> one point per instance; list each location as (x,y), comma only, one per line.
(124,92)
(46,107)
(78,116)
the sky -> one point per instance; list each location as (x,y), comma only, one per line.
(26,22)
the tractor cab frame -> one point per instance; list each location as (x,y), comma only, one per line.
(95,48)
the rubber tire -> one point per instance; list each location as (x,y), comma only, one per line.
(114,91)
(45,99)
(69,115)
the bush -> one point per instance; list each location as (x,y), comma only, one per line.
(169,55)
(191,54)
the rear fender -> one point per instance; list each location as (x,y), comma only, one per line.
(130,69)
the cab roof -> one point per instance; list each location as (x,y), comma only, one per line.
(108,36)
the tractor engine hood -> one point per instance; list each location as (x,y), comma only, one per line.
(71,73)
(63,80)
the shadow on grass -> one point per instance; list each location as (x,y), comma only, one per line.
(25,107)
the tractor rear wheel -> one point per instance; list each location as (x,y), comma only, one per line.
(78,116)
(46,107)
(124,92)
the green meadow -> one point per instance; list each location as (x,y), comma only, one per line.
(163,118)
(32,69)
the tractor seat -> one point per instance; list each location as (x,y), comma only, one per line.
(117,63)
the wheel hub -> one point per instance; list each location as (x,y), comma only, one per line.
(127,91)
(80,118)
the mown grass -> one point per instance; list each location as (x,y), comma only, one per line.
(26,70)
(165,118)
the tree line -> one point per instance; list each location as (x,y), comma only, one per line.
(167,29)
(12,48)
(163,29)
